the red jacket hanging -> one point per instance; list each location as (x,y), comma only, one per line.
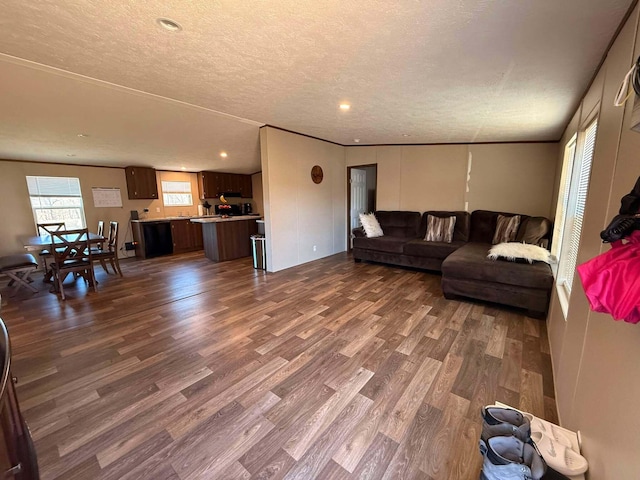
(611,280)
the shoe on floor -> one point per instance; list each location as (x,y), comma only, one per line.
(548,429)
(558,456)
(499,421)
(507,458)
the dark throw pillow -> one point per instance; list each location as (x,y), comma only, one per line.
(440,229)
(506,229)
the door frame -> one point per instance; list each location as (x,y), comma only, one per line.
(375,166)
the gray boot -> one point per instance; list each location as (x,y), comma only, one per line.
(507,458)
(498,421)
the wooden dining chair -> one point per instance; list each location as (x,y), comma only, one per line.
(71,254)
(110,251)
(45,255)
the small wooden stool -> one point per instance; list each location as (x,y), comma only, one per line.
(18,267)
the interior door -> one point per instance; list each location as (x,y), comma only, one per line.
(358,182)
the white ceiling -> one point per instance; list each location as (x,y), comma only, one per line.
(431,71)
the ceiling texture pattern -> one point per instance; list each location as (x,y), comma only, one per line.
(431,71)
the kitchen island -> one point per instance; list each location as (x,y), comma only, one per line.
(227,238)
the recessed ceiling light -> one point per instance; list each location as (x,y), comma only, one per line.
(223,154)
(406,135)
(169,24)
(83,135)
(357,140)
(345,106)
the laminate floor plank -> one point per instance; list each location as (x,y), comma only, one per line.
(186,368)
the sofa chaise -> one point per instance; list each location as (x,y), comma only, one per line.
(466,270)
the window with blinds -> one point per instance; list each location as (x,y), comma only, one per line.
(57,199)
(573,214)
(563,195)
(176,194)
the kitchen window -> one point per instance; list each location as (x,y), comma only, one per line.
(57,199)
(176,194)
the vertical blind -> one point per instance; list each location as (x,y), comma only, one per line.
(576,206)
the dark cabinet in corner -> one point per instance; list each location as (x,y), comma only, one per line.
(212,184)
(141,183)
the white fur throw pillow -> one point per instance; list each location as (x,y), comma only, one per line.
(514,250)
(371,225)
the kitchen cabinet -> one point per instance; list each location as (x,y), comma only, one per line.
(246,188)
(164,237)
(207,185)
(212,184)
(187,236)
(141,183)
(228,239)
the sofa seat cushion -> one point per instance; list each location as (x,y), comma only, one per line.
(381,244)
(470,262)
(422,248)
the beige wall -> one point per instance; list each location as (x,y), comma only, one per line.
(256,186)
(515,177)
(597,375)
(15,209)
(508,177)
(17,218)
(298,213)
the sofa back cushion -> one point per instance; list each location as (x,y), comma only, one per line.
(399,224)
(483,224)
(534,230)
(461,230)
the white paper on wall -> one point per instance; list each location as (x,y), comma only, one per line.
(106,197)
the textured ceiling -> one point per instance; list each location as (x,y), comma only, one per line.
(438,71)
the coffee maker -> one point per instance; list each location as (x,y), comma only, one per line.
(246,209)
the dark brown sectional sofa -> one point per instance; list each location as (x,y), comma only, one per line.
(466,271)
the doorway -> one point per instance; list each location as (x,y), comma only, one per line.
(361,195)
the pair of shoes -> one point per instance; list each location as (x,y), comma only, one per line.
(547,439)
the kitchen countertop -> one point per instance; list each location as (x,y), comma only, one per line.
(219,219)
(200,219)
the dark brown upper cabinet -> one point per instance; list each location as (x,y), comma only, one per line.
(141,183)
(213,184)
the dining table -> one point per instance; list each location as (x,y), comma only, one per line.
(42,242)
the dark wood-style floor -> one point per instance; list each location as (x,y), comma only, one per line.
(186,369)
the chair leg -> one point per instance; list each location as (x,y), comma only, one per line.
(92,275)
(104,266)
(21,278)
(117,264)
(60,279)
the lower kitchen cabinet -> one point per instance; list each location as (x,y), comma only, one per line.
(187,236)
(164,237)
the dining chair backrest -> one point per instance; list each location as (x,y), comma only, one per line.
(100,232)
(49,228)
(113,236)
(71,245)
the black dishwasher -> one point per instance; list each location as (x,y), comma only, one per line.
(157,239)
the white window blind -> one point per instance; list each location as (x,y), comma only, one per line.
(176,194)
(57,199)
(577,200)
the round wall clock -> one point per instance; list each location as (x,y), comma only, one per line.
(317,174)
